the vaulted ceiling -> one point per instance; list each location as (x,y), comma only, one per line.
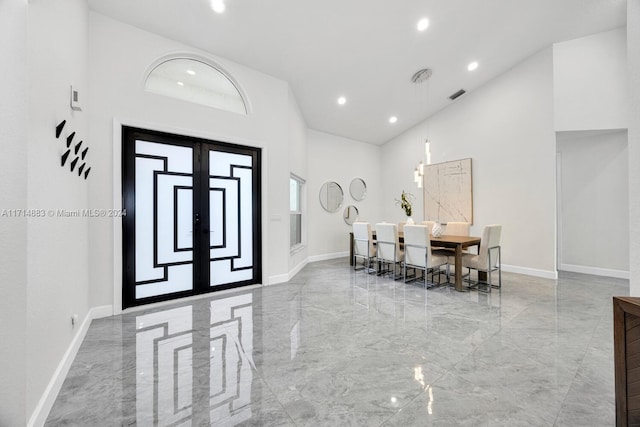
(368,50)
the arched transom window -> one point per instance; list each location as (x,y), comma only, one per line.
(195,81)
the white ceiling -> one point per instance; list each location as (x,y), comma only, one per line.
(367,50)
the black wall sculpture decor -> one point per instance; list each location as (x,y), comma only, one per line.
(59,128)
(76,149)
(70,138)
(64,157)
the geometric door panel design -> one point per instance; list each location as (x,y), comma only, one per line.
(231,222)
(163,205)
(194,218)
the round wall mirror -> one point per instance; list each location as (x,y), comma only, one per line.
(350,214)
(358,189)
(331,196)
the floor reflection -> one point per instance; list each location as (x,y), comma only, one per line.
(295,310)
(173,355)
(411,301)
(164,356)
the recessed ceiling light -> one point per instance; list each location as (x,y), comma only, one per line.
(472,66)
(423,24)
(218,6)
(342,100)
(180,83)
(393,119)
(191,72)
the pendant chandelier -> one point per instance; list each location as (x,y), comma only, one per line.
(419,78)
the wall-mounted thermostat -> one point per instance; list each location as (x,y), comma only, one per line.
(75,101)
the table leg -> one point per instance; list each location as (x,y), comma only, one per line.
(350,248)
(458,265)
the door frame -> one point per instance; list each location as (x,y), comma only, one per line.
(201,190)
(117,252)
(559,211)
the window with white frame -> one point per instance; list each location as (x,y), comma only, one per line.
(295,211)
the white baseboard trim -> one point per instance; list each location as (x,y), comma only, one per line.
(546,274)
(297,269)
(596,271)
(48,398)
(325,257)
(278,278)
(40,413)
(282,278)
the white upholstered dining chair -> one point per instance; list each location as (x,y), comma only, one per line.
(488,258)
(429,225)
(453,229)
(418,253)
(388,246)
(457,229)
(363,246)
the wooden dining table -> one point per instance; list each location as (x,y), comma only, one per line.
(456,243)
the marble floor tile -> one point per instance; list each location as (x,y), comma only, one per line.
(453,401)
(334,347)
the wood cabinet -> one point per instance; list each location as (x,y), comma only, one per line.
(626,341)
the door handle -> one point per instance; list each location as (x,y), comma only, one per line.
(197,219)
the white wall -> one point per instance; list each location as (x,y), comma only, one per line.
(120,55)
(13,230)
(333,158)
(57,248)
(590,82)
(594,202)
(633,63)
(506,127)
(298,166)
(399,158)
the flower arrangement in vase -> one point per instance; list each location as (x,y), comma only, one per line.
(405,203)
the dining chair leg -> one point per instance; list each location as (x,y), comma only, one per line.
(397,265)
(380,268)
(489,270)
(499,264)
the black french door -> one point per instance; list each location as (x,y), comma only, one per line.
(193,216)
